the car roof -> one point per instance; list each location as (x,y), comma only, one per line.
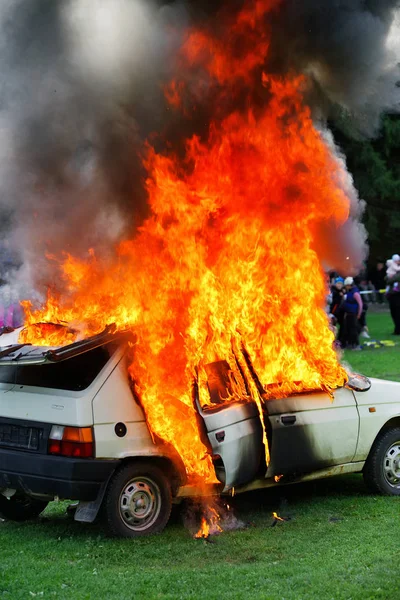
(29,354)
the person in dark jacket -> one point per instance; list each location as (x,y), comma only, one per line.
(393,296)
(352,311)
(378,280)
(337,291)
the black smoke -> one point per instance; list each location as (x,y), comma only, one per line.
(81,89)
(350,48)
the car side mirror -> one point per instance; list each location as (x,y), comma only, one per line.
(358,383)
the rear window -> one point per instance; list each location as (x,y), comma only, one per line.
(73,374)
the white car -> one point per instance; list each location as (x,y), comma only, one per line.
(71,428)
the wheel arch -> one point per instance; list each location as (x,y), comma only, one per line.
(381,470)
(393,422)
(174,471)
(390,424)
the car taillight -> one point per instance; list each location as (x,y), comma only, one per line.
(71,441)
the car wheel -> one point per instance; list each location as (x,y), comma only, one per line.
(382,469)
(137,501)
(20,507)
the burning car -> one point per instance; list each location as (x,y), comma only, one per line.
(72,426)
(233,382)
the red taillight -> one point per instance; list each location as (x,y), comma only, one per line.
(76,442)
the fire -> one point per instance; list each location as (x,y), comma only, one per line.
(47,334)
(204,530)
(277,517)
(225,261)
(209,524)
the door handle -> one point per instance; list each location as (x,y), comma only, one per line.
(288,419)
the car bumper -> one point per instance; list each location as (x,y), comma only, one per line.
(73,479)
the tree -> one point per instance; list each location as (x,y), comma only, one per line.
(375,166)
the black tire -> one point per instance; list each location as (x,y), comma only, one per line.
(137,501)
(20,507)
(382,469)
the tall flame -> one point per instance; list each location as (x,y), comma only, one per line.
(225,260)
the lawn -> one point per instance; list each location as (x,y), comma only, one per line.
(340,542)
(383,362)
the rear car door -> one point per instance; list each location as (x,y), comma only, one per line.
(311,431)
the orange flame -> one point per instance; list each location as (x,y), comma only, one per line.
(277,517)
(225,259)
(209,524)
(47,334)
(204,530)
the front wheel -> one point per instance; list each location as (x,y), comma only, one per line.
(20,507)
(382,469)
(138,501)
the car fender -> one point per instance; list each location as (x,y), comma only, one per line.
(377,407)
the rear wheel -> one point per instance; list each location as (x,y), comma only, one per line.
(138,501)
(382,469)
(20,507)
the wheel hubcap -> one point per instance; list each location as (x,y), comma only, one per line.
(140,503)
(391,465)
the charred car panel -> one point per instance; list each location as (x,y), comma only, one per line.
(235,435)
(312,431)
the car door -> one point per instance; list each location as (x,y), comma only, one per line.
(311,431)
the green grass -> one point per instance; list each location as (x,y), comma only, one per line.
(341,542)
(378,362)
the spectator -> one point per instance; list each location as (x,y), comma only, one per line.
(377,278)
(393,266)
(352,311)
(332,277)
(369,294)
(337,292)
(393,292)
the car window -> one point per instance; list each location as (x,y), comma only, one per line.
(74,374)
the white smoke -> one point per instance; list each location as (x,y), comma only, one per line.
(79,93)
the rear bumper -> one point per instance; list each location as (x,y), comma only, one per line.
(70,478)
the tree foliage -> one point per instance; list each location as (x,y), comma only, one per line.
(375,166)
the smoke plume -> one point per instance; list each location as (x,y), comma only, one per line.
(351,49)
(81,91)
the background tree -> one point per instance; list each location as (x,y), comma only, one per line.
(375,166)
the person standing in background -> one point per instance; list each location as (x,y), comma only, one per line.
(337,292)
(352,311)
(378,280)
(393,292)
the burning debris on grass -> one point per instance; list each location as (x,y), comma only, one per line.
(278,519)
(209,517)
